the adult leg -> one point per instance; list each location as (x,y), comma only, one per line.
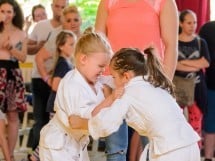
(117,143)
(3,140)
(209,145)
(209,126)
(12,130)
(40,92)
(135,147)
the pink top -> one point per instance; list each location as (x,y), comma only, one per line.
(134,24)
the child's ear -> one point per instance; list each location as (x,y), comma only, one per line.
(83,58)
(128,75)
(61,47)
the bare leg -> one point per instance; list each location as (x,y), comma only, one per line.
(209,145)
(13,127)
(3,141)
(135,147)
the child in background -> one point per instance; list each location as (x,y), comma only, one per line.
(161,120)
(65,43)
(192,59)
(79,92)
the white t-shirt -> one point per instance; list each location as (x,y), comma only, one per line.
(41,32)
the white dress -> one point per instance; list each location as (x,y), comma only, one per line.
(154,113)
(58,141)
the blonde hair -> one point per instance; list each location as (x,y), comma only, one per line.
(70,9)
(92,42)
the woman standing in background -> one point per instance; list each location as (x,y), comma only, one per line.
(13,49)
(207,32)
(193,58)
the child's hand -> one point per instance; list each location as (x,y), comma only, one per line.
(107,90)
(76,122)
(118,92)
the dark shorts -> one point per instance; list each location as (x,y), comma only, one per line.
(12,87)
(209,117)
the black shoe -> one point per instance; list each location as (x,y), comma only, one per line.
(208,160)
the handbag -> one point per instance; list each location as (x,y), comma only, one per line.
(185,87)
(184,90)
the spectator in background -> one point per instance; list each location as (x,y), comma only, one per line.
(13,49)
(193,58)
(65,42)
(207,31)
(38,13)
(40,89)
(42,30)
(138,24)
(71,20)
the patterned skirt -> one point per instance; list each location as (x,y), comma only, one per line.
(12,88)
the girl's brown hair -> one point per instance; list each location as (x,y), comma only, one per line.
(142,64)
(18,19)
(60,41)
(182,16)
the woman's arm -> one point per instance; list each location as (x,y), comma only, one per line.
(169,35)
(40,59)
(34,46)
(185,68)
(101,18)
(197,63)
(20,54)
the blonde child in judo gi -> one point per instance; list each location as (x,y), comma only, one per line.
(79,92)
